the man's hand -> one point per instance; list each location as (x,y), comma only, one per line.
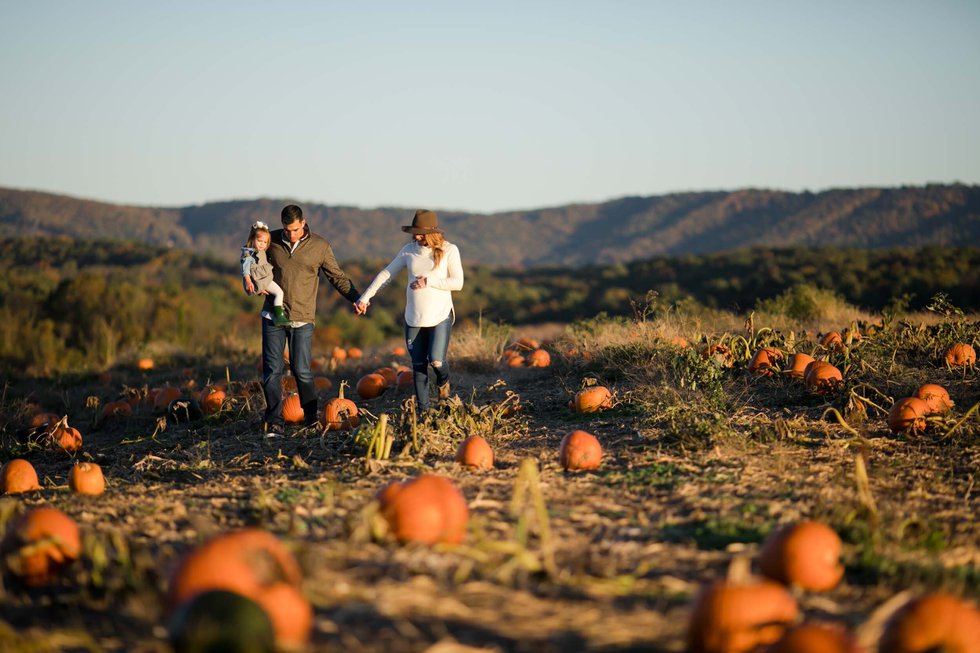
(249,286)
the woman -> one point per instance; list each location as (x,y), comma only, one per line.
(434,271)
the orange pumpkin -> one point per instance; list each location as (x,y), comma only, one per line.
(371,385)
(144,364)
(255,564)
(405,379)
(398,351)
(354,352)
(579,451)
(164,397)
(389,374)
(766,360)
(18,476)
(212,399)
(86,478)
(739,616)
(832,340)
(538,358)
(822,377)
(933,622)
(960,354)
(39,544)
(935,397)
(292,410)
(592,399)
(515,360)
(117,409)
(339,354)
(475,453)
(62,437)
(797,365)
(526,344)
(816,638)
(340,413)
(322,383)
(806,554)
(908,414)
(426,509)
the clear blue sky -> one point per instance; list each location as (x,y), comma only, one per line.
(483,106)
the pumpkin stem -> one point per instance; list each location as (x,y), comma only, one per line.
(340,392)
(739,570)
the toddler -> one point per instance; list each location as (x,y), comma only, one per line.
(257,271)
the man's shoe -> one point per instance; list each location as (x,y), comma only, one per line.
(443,390)
(279,316)
(275,431)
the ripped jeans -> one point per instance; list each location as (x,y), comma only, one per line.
(428,346)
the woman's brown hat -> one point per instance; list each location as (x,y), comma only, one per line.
(424,222)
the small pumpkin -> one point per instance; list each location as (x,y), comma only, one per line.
(405,379)
(797,365)
(935,397)
(86,478)
(340,413)
(908,414)
(538,358)
(389,374)
(805,554)
(164,397)
(592,399)
(42,420)
(339,354)
(322,383)
(40,544)
(960,354)
(832,340)
(816,638)
(821,377)
(292,410)
(62,437)
(212,399)
(475,453)
(144,364)
(371,386)
(515,360)
(18,476)
(737,616)
(355,352)
(526,344)
(766,360)
(426,509)
(119,409)
(398,351)
(255,564)
(936,621)
(579,451)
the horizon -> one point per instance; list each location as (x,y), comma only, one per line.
(483,109)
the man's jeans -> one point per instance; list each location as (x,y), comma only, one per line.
(428,345)
(300,340)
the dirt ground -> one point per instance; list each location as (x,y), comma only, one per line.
(682,490)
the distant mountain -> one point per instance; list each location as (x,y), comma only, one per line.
(617,231)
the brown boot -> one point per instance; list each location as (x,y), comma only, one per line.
(443,390)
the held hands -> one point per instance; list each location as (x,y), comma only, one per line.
(360,308)
(418,284)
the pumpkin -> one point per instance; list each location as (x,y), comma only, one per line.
(255,564)
(219,620)
(371,386)
(908,414)
(354,352)
(18,476)
(340,413)
(39,544)
(405,379)
(426,509)
(144,364)
(935,397)
(538,358)
(398,351)
(118,408)
(960,354)
(805,554)
(579,451)
(592,399)
(797,365)
(832,340)
(62,437)
(389,374)
(339,354)
(526,344)
(816,638)
(766,360)
(932,622)
(322,383)
(164,397)
(731,616)
(212,399)
(822,377)
(42,420)
(719,354)
(292,410)
(516,360)
(86,478)
(475,453)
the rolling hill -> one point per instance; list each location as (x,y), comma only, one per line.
(617,231)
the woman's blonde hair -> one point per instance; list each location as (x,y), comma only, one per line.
(434,241)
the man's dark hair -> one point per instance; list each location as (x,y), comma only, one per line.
(291,214)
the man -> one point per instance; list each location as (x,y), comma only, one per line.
(297,256)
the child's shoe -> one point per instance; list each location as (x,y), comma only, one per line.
(279,316)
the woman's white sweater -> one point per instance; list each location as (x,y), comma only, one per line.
(427,306)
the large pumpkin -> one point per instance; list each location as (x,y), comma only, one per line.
(797,365)
(805,554)
(39,544)
(739,616)
(62,437)
(212,399)
(475,453)
(292,410)
(822,377)
(339,413)
(255,564)
(18,476)
(961,354)
(371,385)
(592,399)
(579,451)
(86,478)
(935,397)
(766,360)
(933,622)
(908,414)
(426,509)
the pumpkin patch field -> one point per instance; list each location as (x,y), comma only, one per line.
(673,482)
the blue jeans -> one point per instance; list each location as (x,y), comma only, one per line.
(428,346)
(300,340)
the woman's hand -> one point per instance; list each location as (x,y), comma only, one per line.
(418,284)
(249,286)
(361,308)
